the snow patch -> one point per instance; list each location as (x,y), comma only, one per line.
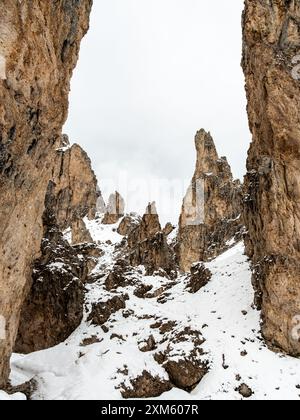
(221,311)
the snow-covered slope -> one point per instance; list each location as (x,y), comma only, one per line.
(93,364)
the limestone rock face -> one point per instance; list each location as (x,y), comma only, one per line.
(115,209)
(272,208)
(80,233)
(53,308)
(148,244)
(39,45)
(147,228)
(211,207)
(76,188)
(128,224)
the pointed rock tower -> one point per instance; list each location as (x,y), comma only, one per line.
(148,244)
(115,209)
(211,210)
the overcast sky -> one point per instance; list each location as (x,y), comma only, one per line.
(151,73)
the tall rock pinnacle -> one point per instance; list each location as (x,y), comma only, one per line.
(211,207)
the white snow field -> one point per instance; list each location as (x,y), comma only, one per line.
(222,311)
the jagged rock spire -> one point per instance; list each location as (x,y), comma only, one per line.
(115,209)
(210,208)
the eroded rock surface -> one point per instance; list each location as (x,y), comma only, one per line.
(76,188)
(53,308)
(272,205)
(148,244)
(210,216)
(114,210)
(39,45)
(199,277)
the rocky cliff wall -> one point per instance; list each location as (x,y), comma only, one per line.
(211,210)
(272,208)
(39,46)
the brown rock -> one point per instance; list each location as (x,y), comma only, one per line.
(102,311)
(90,253)
(211,208)
(245,391)
(198,278)
(39,45)
(118,276)
(146,386)
(155,254)
(168,229)
(148,245)
(53,308)
(76,188)
(128,224)
(150,345)
(80,233)
(90,340)
(141,291)
(272,206)
(148,227)
(27,388)
(186,374)
(114,210)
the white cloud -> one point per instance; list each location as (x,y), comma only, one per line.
(151,73)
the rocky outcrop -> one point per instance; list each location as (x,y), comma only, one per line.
(102,311)
(76,189)
(39,45)
(128,224)
(148,245)
(148,227)
(211,210)
(80,233)
(146,385)
(53,308)
(199,277)
(115,209)
(272,206)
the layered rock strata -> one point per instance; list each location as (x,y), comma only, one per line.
(39,45)
(210,217)
(271,45)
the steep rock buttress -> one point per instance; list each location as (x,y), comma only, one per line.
(39,45)
(271,35)
(53,308)
(211,210)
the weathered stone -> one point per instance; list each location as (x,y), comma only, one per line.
(153,253)
(168,229)
(210,213)
(148,227)
(102,311)
(39,45)
(146,386)
(128,224)
(80,233)
(149,345)
(53,308)
(76,189)
(185,374)
(148,244)
(90,253)
(198,278)
(115,209)
(272,206)
(245,391)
